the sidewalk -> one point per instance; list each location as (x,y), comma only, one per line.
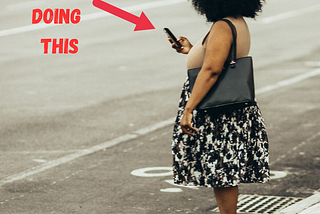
(310,205)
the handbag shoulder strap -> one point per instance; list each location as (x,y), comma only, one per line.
(234,42)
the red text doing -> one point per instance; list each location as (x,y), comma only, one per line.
(58,16)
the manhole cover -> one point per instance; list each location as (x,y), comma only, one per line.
(263,204)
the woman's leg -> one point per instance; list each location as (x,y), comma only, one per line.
(227,199)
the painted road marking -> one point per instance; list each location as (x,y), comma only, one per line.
(143,172)
(171,190)
(151,5)
(134,8)
(162,173)
(81,153)
(39,160)
(288,153)
(313,64)
(141,132)
(277,174)
(288,82)
(40,152)
(290,14)
(172,183)
(24,5)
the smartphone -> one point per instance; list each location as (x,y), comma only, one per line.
(172,37)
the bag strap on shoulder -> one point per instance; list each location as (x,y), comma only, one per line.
(234,42)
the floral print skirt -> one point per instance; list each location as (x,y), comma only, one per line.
(231,147)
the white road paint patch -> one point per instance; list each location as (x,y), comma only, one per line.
(134,8)
(290,14)
(123,68)
(277,174)
(142,132)
(143,172)
(171,190)
(185,186)
(24,5)
(25,29)
(39,160)
(128,150)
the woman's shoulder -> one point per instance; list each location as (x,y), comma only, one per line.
(242,32)
(238,22)
(220,31)
(221,27)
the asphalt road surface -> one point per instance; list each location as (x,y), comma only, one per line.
(91,132)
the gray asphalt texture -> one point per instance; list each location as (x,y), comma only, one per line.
(122,81)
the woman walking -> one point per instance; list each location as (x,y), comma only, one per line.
(225,146)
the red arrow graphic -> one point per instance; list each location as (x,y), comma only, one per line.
(142,22)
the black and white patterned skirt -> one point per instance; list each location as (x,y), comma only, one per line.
(231,147)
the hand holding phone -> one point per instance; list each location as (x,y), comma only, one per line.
(182,45)
(172,37)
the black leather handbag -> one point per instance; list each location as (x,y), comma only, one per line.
(235,84)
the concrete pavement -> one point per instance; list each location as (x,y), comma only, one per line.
(310,205)
(74,128)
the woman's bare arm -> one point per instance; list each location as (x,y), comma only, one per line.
(218,46)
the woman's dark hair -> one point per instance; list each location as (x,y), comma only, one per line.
(215,10)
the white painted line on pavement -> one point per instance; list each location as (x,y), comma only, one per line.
(40,152)
(134,8)
(290,151)
(289,81)
(81,153)
(306,206)
(136,134)
(23,5)
(314,64)
(92,16)
(39,160)
(290,14)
